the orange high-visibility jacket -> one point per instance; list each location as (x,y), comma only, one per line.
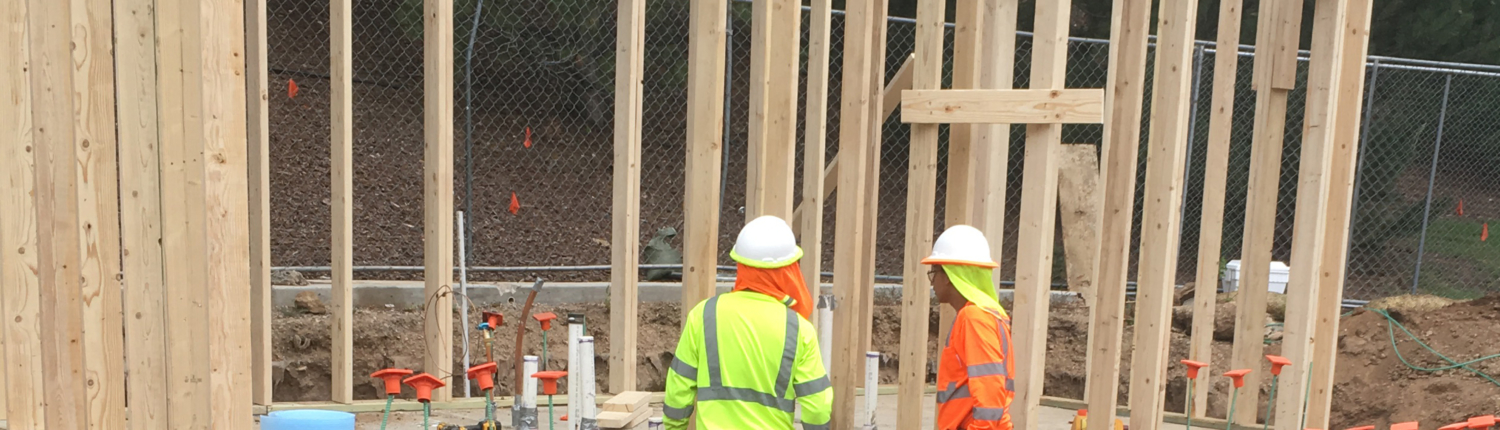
(975,382)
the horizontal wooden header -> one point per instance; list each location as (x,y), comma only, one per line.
(1070,106)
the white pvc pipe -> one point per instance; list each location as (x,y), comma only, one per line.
(872,387)
(587,405)
(528,389)
(463,290)
(825,329)
(575,331)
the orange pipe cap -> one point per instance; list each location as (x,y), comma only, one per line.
(1482,422)
(484,373)
(495,319)
(1192,368)
(1277,362)
(392,379)
(549,380)
(1404,426)
(1362,428)
(546,319)
(424,383)
(1239,377)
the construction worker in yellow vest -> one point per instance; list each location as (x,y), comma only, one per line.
(748,357)
(975,382)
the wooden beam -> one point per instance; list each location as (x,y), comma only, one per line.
(808,215)
(1078,207)
(223,148)
(1260,217)
(183,242)
(626,232)
(1161,214)
(779,147)
(1286,34)
(992,160)
(759,125)
(57,193)
(1215,179)
(705,139)
(876,127)
(140,214)
(437,227)
(98,211)
(1049,59)
(968,32)
(1122,136)
(1340,201)
(20,284)
(341,172)
(891,99)
(921,205)
(257,113)
(849,250)
(1310,219)
(1031,106)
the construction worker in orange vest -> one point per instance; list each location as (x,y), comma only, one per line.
(749,357)
(975,382)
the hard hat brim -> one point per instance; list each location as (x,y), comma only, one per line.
(941,261)
(759,264)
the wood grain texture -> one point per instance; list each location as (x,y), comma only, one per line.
(1038,216)
(258,137)
(921,206)
(626,227)
(1341,175)
(1161,214)
(873,91)
(807,217)
(762,23)
(1122,136)
(1078,208)
(1031,106)
(341,197)
(140,214)
(1215,179)
(98,211)
(57,201)
(778,160)
(437,225)
(1319,133)
(183,243)
(20,285)
(992,156)
(705,146)
(850,225)
(968,34)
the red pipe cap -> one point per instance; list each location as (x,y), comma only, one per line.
(1404,426)
(549,380)
(495,319)
(392,379)
(484,373)
(1192,368)
(1361,428)
(1455,426)
(424,383)
(1239,377)
(1482,422)
(546,319)
(1277,362)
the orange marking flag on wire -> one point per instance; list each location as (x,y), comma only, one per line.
(291,88)
(515,205)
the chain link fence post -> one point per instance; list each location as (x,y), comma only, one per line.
(1437,149)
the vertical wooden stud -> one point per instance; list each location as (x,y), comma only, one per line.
(997,71)
(438,189)
(809,214)
(1345,148)
(257,113)
(1215,179)
(1124,98)
(705,146)
(20,285)
(1160,213)
(625,253)
(341,172)
(850,227)
(921,201)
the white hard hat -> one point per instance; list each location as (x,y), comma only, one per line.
(963,245)
(766,243)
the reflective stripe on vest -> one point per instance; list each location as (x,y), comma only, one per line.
(988,414)
(716,389)
(953,393)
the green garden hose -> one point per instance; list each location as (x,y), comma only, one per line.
(1390,329)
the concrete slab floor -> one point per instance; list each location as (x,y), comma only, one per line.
(885,417)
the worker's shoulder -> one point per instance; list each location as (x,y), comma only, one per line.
(976,316)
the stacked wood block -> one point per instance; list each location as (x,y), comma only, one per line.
(629,410)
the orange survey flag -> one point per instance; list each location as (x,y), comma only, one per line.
(291,88)
(1485,234)
(515,205)
(527,143)
(1460,207)
(778,283)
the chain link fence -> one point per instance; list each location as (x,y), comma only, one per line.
(534,146)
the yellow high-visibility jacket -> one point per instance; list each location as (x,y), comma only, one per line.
(745,361)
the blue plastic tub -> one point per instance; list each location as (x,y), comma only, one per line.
(307,419)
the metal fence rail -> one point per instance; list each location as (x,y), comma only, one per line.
(535,93)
